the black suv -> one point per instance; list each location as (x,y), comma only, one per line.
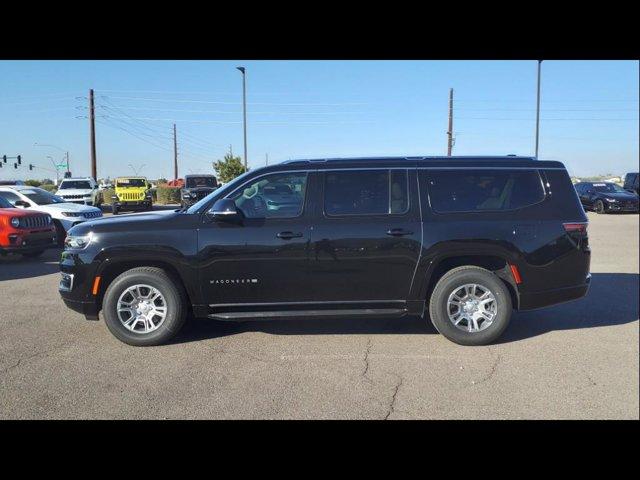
(606,197)
(196,187)
(465,239)
(631,182)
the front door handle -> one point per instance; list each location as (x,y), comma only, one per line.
(288,235)
(398,232)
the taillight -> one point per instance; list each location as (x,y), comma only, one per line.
(579,228)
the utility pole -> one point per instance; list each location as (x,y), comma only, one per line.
(175,154)
(244,112)
(266,159)
(538,110)
(92,127)
(450,131)
(68,169)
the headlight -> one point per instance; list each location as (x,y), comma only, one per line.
(611,200)
(70,214)
(77,242)
(15,222)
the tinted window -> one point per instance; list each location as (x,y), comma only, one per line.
(483,190)
(75,184)
(279,195)
(41,197)
(131,182)
(10,197)
(194,182)
(4,203)
(608,188)
(368,192)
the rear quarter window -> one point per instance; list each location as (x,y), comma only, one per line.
(453,191)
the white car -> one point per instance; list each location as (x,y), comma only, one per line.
(80,190)
(65,215)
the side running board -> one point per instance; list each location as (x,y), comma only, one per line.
(364,312)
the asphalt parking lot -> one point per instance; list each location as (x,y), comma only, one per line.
(573,361)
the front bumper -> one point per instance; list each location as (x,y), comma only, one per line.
(29,242)
(622,207)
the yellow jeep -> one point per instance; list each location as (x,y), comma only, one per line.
(132,193)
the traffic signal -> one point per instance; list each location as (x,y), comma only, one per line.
(30,166)
(19,160)
(15,165)
(4,158)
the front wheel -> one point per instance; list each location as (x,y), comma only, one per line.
(144,306)
(599,207)
(115,210)
(470,306)
(61,233)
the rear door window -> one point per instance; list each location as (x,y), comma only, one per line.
(366,192)
(483,190)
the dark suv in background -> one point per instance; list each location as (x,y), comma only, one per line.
(464,240)
(196,187)
(631,181)
(606,197)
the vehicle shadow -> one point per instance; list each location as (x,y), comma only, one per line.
(17,267)
(612,300)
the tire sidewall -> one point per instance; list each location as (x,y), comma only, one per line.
(599,210)
(438,306)
(173,298)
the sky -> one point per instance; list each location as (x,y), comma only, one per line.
(314,109)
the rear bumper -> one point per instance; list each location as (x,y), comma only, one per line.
(545,298)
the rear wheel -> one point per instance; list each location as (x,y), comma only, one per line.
(115,210)
(144,306)
(470,306)
(599,206)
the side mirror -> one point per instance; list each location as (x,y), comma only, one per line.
(224,209)
(22,203)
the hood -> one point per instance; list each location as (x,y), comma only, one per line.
(623,196)
(19,212)
(68,207)
(123,223)
(74,191)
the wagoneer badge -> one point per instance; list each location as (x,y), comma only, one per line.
(234,281)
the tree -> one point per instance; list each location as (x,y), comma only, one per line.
(33,183)
(228,168)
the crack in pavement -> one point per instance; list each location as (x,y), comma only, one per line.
(496,360)
(392,405)
(29,357)
(366,361)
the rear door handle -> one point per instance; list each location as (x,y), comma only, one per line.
(398,232)
(288,235)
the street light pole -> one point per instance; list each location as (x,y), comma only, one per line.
(66,152)
(244,112)
(538,111)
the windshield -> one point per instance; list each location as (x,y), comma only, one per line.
(608,187)
(219,193)
(131,183)
(5,203)
(194,182)
(41,197)
(75,184)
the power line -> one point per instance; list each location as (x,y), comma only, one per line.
(175,100)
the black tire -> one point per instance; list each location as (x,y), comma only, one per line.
(599,207)
(175,299)
(115,210)
(453,280)
(35,254)
(61,233)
